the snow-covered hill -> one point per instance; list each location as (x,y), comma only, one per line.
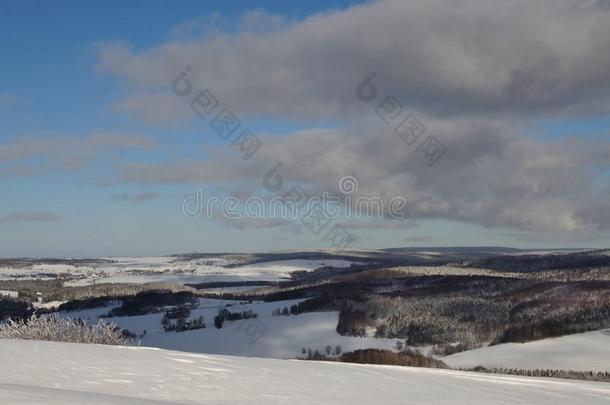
(160,269)
(63,373)
(582,352)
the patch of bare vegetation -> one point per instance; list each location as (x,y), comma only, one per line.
(601,376)
(57,329)
(405,357)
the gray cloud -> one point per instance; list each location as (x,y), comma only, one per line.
(26,155)
(156,108)
(138,197)
(29,216)
(449,58)
(490,176)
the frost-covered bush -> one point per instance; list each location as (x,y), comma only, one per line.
(57,329)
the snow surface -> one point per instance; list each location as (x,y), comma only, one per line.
(280,337)
(588,351)
(48,305)
(65,373)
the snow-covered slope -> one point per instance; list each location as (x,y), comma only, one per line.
(64,373)
(582,352)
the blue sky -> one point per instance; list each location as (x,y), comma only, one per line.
(56,86)
(51,76)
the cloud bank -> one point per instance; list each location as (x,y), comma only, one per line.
(446,57)
(481,75)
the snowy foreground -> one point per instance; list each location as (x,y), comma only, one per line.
(65,373)
(588,351)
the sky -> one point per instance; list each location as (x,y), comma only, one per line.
(473,123)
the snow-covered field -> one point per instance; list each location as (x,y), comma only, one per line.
(280,337)
(66,373)
(213,270)
(588,351)
(164,269)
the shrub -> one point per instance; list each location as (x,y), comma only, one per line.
(13,308)
(226,315)
(406,357)
(57,329)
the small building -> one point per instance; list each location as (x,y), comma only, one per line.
(9,293)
